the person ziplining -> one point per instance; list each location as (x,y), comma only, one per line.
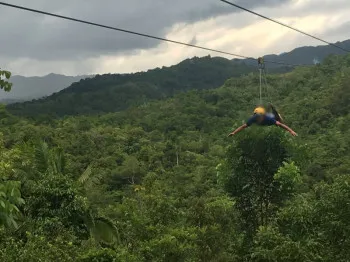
(261,116)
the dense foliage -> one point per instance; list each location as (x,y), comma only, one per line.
(163,182)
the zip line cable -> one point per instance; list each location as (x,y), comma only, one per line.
(139,34)
(285,25)
(263,80)
(267,87)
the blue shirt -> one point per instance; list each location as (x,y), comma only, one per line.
(267,120)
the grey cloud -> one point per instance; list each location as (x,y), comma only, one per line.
(341,30)
(34,36)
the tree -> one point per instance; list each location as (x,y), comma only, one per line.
(10,200)
(4,83)
(312,227)
(10,194)
(55,199)
(251,165)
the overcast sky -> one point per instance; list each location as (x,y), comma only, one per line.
(33,44)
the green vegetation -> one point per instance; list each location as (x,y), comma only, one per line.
(163,182)
(4,83)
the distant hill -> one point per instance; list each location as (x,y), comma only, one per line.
(28,88)
(115,92)
(306,55)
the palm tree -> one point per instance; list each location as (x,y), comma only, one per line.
(101,229)
(50,165)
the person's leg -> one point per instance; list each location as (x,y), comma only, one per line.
(276,114)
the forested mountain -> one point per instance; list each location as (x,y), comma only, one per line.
(163,182)
(28,88)
(306,55)
(115,92)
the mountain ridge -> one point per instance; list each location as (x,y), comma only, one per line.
(114,92)
(306,55)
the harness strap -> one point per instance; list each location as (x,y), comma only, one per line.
(260,85)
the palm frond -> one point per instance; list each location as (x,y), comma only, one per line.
(105,231)
(57,161)
(85,176)
(42,155)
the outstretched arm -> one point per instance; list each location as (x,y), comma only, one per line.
(238,130)
(286,128)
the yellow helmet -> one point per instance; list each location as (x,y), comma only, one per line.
(260,111)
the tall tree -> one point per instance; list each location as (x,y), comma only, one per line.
(251,164)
